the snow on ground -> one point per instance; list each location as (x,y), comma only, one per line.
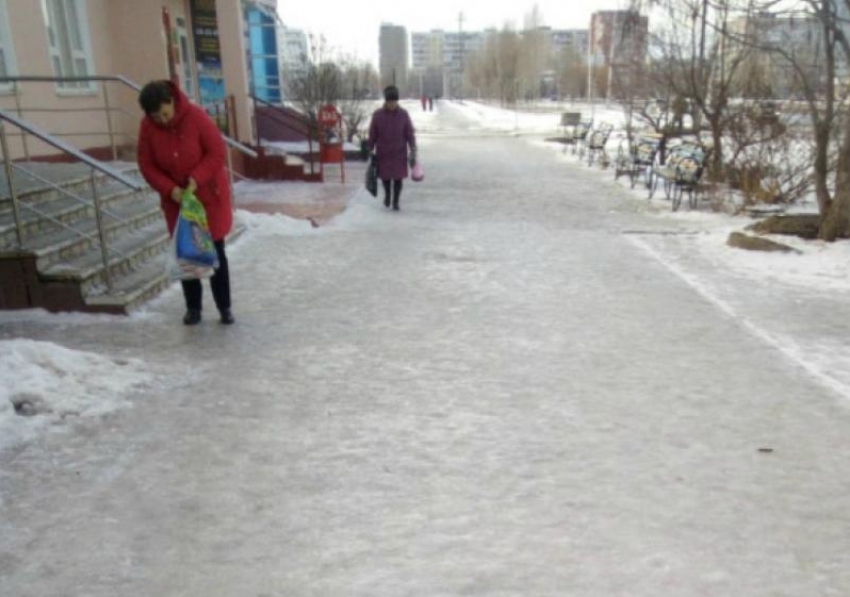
(303,146)
(44,383)
(266,224)
(293,192)
(495,391)
(820,264)
(492,118)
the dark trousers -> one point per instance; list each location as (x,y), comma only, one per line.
(220,283)
(396,191)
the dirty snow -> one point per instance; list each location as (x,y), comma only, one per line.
(47,383)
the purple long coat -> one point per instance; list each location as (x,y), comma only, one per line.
(392,132)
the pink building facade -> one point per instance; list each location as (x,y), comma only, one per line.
(198,43)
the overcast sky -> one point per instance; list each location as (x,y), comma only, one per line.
(352,25)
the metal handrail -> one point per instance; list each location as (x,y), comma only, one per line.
(68,149)
(308,132)
(56,187)
(304,120)
(95,165)
(58,222)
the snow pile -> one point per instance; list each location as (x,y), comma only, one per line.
(303,146)
(297,193)
(44,383)
(273,224)
(70,318)
(494,118)
(821,266)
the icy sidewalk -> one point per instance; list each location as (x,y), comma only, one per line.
(317,202)
(492,392)
(797,303)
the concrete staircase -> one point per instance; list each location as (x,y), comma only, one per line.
(60,267)
(274,164)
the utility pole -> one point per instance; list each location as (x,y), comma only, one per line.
(612,55)
(590,77)
(460,20)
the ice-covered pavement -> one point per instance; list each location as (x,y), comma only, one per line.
(494,392)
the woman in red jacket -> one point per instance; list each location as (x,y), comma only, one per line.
(180,148)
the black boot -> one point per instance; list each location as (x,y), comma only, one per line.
(227,317)
(395,205)
(192,317)
(387,201)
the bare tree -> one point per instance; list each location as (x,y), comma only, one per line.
(318,85)
(572,73)
(814,79)
(360,82)
(696,67)
(767,161)
(535,54)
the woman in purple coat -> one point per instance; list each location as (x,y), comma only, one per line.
(392,133)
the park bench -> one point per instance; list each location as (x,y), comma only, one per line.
(681,173)
(595,143)
(636,158)
(569,120)
(578,135)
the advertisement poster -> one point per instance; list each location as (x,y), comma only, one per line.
(207,52)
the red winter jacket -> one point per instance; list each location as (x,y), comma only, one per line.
(188,146)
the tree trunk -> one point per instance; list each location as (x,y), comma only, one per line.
(835,222)
(717,152)
(821,169)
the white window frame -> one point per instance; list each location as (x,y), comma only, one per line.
(7,45)
(71,55)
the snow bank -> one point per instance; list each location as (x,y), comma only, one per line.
(303,146)
(259,224)
(69,318)
(820,266)
(44,383)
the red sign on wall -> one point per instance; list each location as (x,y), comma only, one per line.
(329,116)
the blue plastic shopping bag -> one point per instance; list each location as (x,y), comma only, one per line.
(194,241)
(192,254)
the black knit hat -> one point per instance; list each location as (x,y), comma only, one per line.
(391,93)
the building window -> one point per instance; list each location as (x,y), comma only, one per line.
(7,54)
(68,36)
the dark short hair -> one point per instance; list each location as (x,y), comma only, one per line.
(391,93)
(153,95)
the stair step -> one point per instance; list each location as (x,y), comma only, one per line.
(65,209)
(132,290)
(62,244)
(138,286)
(30,186)
(126,254)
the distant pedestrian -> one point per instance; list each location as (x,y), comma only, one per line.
(424,103)
(390,135)
(181,149)
(431,104)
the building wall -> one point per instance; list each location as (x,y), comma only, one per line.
(262,41)
(761,72)
(126,37)
(618,35)
(295,55)
(394,56)
(574,39)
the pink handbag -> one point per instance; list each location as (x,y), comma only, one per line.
(417,175)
